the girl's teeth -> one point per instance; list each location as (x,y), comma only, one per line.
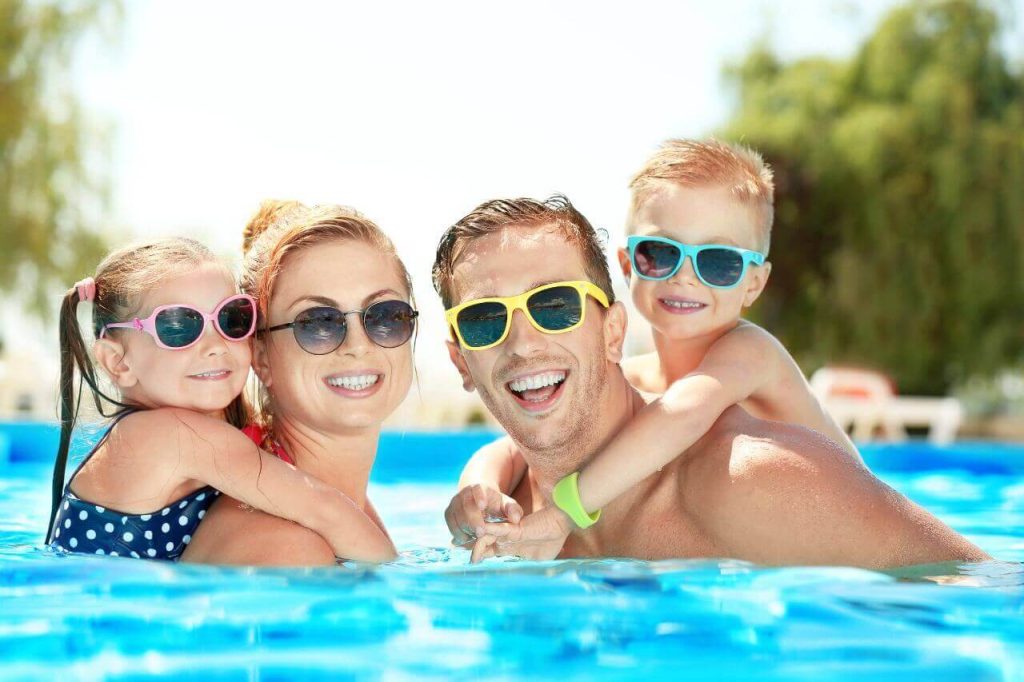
(536,381)
(212,374)
(354,383)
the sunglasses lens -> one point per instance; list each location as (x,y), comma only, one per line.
(389,323)
(720,267)
(319,330)
(482,324)
(556,309)
(235,319)
(179,326)
(655,259)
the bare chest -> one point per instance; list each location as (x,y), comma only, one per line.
(656,527)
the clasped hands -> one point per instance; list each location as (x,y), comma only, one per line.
(495,525)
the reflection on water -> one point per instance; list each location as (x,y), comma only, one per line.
(430,615)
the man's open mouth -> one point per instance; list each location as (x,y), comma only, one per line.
(539,391)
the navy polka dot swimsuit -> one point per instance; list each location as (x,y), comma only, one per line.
(82,526)
(85,527)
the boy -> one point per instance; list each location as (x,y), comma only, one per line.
(698,235)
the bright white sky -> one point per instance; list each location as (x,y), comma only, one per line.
(414,112)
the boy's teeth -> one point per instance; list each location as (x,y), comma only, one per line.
(536,381)
(682,304)
(357,383)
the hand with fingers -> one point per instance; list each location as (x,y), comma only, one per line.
(476,506)
(539,536)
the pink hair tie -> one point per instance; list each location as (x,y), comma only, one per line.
(86,289)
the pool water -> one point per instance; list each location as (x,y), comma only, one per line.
(430,616)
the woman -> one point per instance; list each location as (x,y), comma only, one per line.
(333,357)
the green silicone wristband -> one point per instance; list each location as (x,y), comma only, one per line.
(566,496)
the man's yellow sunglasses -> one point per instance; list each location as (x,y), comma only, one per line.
(554,308)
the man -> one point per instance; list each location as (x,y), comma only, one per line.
(750,489)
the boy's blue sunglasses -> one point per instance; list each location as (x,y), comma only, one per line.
(716,265)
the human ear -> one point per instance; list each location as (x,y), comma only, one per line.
(614,332)
(455,355)
(261,362)
(110,357)
(624,263)
(756,282)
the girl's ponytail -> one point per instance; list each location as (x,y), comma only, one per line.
(71,350)
(73,354)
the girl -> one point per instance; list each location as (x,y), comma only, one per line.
(172,334)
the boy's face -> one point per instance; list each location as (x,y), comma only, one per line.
(683,307)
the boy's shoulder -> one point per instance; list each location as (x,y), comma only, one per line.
(749,337)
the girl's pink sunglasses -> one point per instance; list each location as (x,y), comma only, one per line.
(176,327)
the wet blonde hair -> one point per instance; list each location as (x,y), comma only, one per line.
(697,163)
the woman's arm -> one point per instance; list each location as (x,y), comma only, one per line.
(217,454)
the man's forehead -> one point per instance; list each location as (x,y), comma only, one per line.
(513,260)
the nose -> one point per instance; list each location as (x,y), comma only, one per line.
(685,274)
(523,338)
(211,343)
(356,343)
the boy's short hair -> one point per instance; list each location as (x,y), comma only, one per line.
(695,163)
(493,216)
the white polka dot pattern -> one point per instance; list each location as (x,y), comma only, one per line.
(90,528)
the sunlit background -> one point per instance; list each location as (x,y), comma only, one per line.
(188,114)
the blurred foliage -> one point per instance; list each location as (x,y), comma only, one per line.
(899,230)
(48,191)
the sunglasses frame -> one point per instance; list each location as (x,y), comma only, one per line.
(344,315)
(691,252)
(148,325)
(518,302)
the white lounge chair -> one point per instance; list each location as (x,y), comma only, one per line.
(866,402)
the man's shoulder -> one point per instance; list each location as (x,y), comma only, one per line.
(743,458)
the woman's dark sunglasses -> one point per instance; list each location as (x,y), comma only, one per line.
(322,330)
(717,265)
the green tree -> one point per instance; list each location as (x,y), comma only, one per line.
(899,231)
(48,195)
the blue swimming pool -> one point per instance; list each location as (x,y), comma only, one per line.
(432,617)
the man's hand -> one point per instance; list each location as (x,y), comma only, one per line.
(540,536)
(473,507)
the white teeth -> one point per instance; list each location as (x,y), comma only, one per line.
(357,383)
(536,381)
(215,373)
(682,304)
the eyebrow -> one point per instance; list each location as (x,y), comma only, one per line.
(537,283)
(717,239)
(324,300)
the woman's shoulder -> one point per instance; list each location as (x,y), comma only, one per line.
(234,533)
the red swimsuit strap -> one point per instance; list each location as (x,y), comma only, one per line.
(258,435)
